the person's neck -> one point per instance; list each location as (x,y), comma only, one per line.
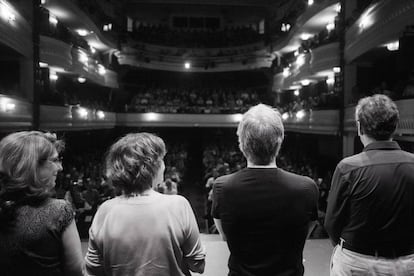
(366,140)
(270,165)
(144,193)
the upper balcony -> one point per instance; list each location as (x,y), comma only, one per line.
(75,18)
(245,57)
(15,31)
(311,21)
(381,23)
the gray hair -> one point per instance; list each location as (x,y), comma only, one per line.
(261,134)
(133,162)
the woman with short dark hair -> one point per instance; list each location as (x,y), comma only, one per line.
(38,235)
(142,232)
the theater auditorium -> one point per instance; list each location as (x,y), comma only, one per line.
(92,71)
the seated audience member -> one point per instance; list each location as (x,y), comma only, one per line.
(38,235)
(264,212)
(142,232)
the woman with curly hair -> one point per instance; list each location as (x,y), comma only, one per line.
(38,235)
(142,232)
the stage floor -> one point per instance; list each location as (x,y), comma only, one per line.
(316,256)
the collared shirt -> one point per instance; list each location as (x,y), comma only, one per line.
(371,201)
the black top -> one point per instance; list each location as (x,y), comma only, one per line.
(371,202)
(265,213)
(34,246)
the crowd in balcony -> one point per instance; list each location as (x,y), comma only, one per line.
(195,38)
(196,100)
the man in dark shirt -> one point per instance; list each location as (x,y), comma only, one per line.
(262,211)
(370,213)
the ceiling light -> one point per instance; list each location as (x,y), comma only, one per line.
(187,65)
(393,46)
(305,36)
(305,82)
(53,76)
(330,81)
(101,69)
(300,114)
(310,2)
(81,80)
(52,19)
(100,114)
(330,26)
(82,32)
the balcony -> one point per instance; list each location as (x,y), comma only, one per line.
(55,52)
(15,31)
(15,114)
(379,24)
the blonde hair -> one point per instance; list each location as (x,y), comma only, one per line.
(21,155)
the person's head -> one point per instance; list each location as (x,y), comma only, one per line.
(377,117)
(135,163)
(261,134)
(29,164)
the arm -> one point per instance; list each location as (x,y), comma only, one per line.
(193,251)
(72,252)
(338,201)
(217,222)
(93,259)
(216,207)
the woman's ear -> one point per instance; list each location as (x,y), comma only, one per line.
(360,131)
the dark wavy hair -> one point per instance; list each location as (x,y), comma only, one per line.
(378,116)
(21,156)
(133,162)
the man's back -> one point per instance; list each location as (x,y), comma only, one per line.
(377,188)
(265,213)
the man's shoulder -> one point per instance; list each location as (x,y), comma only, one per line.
(219,181)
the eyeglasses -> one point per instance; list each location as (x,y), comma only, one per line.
(56,160)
